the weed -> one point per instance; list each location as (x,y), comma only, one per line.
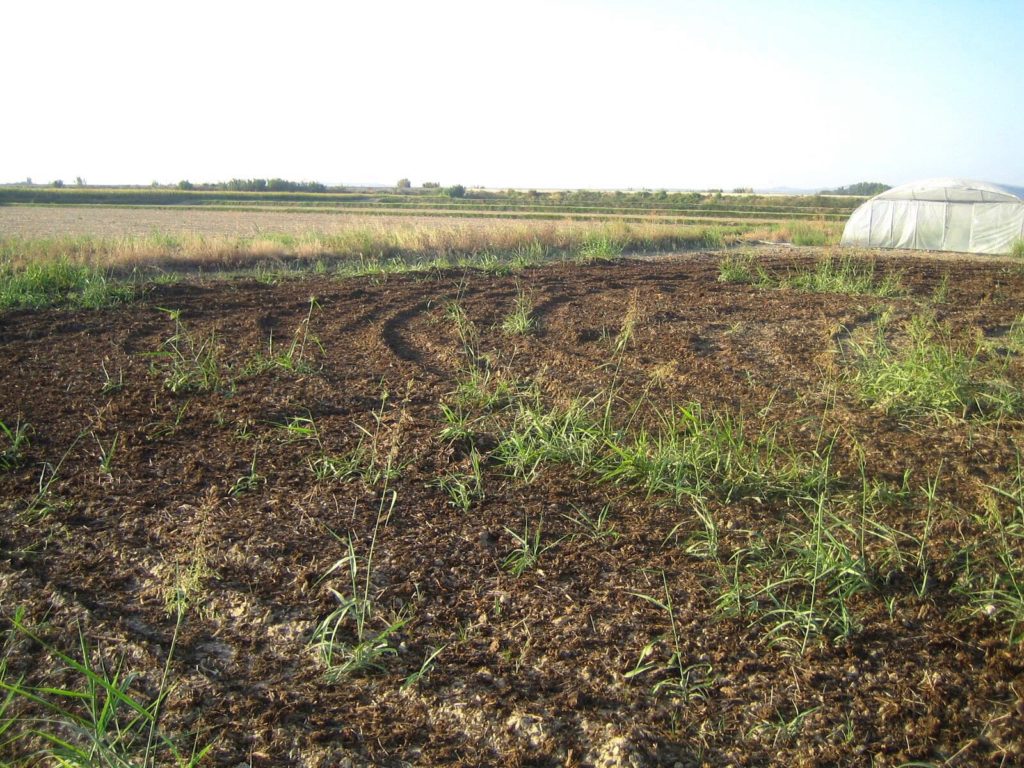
(248,482)
(480,389)
(527,551)
(940,294)
(458,425)
(300,428)
(296,357)
(741,268)
(595,527)
(163,430)
(801,584)
(520,320)
(1017,249)
(190,364)
(783,729)
(464,488)
(110,383)
(99,719)
(629,322)
(465,328)
(189,584)
(844,276)
(681,681)
(107,453)
(43,502)
(931,374)
(994,584)
(704,542)
(428,664)
(1012,342)
(15,441)
(536,436)
(694,453)
(374,460)
(366,649)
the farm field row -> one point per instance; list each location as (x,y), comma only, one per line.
(760,506)
(551,203)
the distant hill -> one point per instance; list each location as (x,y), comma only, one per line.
(861,188)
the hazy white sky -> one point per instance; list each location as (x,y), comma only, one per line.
(561,93)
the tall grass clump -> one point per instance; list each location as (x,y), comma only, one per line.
(807,233)
(994,584)
(930,372)
(694,454)
(538,436)
(1017,249)
(741,268)
(844,276)
(520,321)
(352,639)
(600,246)
(188,363)
(60,283)
(373,240)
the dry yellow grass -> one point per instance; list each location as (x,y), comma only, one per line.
(119,238)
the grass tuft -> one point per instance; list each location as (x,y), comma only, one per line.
(844,276)
(60,283)
(97,715)
(346,640)
(931,373)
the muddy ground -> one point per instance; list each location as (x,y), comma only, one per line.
(129,493)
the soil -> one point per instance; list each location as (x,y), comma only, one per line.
(533,669)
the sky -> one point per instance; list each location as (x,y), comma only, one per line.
(552,94)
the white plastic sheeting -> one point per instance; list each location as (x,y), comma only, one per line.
(940,215)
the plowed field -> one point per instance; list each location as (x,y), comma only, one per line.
(213,450)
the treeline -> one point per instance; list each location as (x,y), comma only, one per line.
(255,185)
(658,199)
(861,188)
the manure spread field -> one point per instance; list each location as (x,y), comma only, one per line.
(611,514)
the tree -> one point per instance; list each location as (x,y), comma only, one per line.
(861,188)
(58,183)
(431,185)
(456,190)
(79,181)
(403,184)
(185,184)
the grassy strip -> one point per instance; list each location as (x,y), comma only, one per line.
(60,283)
(359,243)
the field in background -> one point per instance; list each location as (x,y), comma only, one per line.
(183,237)
(675,206)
